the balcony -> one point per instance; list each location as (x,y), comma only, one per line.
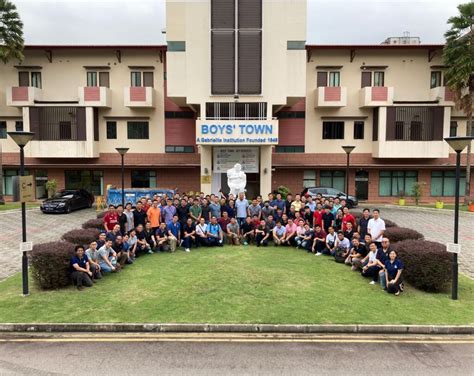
(23,96)
(410,149)
(95,96)
(331,96)
(375,96)
(443,95)
(138,96)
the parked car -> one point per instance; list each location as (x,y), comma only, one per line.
(68,200)
(327,192)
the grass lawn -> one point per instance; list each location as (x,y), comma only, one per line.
(464,208)
(236,285)
(17,205)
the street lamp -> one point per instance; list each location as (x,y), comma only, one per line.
(122,152)
(21,139)
(458,144)
(348,149)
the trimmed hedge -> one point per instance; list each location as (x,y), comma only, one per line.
(50,264)
(398,234)
(94,223)
(81,236)
(101,214)
(427,264)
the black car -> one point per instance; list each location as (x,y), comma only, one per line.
(68,200)
(327,192)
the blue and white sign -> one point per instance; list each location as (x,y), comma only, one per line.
(237,132)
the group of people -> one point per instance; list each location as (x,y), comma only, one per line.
(321,226)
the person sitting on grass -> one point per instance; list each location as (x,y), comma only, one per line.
(261,234)
(393,272)
(161,237)
(233,232)
(319,240)
(189,235)
(112,235)
(300,231)
(386,251)
(372,268)
(174,233)
(80,269)
(290,234)
(247,231)
(121,250)
(92,254)
(307,239)
(108,258)
(224,222)
(331,238)
(214,233)
(278,234)
(270,222)
(201,233)
(132,244)
(343,244)
(356,255)
(150,235)
(142,244)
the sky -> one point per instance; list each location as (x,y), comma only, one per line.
(142,21)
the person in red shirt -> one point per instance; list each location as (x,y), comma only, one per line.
(347,217)
(318,216)
(110,219)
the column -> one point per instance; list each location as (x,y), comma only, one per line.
(206,169)
(265,170)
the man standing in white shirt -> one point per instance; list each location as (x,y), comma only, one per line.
(376,228)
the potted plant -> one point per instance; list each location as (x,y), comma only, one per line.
(401,198)
(417,192)
(51,186)
(439,204)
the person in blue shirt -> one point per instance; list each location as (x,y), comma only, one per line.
(241,205)
(393,273)
(278,203)
(214,233)
(174,233)
(80,269)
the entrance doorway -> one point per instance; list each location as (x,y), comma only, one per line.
(362,184)
(253,185)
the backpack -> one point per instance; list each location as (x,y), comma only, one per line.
(339,255)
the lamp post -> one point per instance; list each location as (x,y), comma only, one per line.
(348,149)
(21,139)
(122,152)
(458,144)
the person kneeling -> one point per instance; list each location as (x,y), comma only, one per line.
(393,273)
(262,234)
(80,269)
(214,233)
(233,232)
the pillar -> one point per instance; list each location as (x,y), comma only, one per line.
(206,169)
(265,170)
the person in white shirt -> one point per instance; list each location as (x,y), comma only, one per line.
(201,233)
(376,228)
(330,242)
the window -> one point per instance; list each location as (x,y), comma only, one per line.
(179,149)
(358,130)
(415,123)
(334,79)
(379,78)
(333,179)
(394,183)
(148,79)
(289,149)
(36,79)
(137,130)
(90,180)
(136,79)
(65,131)
(176,46)
(24,79)
(91,79)
(3,129)
(309,178)
(291,115)
(19,126)
(104,79)
(443,183)
(295,45)
(143,179)
(179,115)
(111,130)
(232,110)
(333,130)
(8,180)
(453,129)
(435,79)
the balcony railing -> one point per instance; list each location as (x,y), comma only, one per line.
(95,96)
(375,96)
(443,95)
(331,96)
(138,96)
(22,96)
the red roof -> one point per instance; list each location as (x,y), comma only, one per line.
(373,46)
(59,46)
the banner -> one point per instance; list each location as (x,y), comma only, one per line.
(237,132)
(225,158)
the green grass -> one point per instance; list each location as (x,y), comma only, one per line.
(17,205)
(464,208)
(236,285)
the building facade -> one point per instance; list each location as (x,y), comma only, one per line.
(236,82)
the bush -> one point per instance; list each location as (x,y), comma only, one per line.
(101,214)
(398,234)
(81,236)
(427,264)
(50,264)
(94,223)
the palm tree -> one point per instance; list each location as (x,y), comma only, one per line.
(458,56)
(11,47)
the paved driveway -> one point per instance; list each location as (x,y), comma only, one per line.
(438,225)
(41,228)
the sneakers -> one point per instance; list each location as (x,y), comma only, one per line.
(318,254)
(187,250)
(245,243)
(150,252)
(372,283)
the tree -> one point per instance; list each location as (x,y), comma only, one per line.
(11,47)
(458,56)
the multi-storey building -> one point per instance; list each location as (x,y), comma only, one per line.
(236,82)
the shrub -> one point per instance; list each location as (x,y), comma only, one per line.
(81,236)
(398,234)
(94,223)
(50,264)
(101,214)
(427,264)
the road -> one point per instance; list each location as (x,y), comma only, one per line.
(235,354)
